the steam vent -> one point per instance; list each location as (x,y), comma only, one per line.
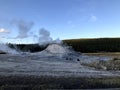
(62,51)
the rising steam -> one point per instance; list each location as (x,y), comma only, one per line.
(23,28)
(44,37)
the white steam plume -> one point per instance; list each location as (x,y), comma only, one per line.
(4,48)
(23,28)
(44,37)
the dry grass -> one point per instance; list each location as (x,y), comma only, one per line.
(101,65)
(113,64)
(115,54)
(107,65)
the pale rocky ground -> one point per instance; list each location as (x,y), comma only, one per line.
(51,65)
(55,61)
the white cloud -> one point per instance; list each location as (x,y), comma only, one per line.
(2,30)
(93,18)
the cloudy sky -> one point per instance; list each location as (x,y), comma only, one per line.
(21,20)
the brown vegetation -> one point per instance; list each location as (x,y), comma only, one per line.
(113,64)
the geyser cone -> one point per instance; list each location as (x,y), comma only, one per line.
(62,51)
(57,49)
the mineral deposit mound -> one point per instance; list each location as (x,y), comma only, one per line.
(58,49)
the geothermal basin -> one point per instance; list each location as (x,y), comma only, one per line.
(55,60)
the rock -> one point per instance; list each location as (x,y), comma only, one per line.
(1,52)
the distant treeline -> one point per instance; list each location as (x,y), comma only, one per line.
(80,45)
(27,47)
(95,45)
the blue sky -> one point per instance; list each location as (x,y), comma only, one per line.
(65,19)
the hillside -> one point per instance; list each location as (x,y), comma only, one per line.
(80,45)
(95,45)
